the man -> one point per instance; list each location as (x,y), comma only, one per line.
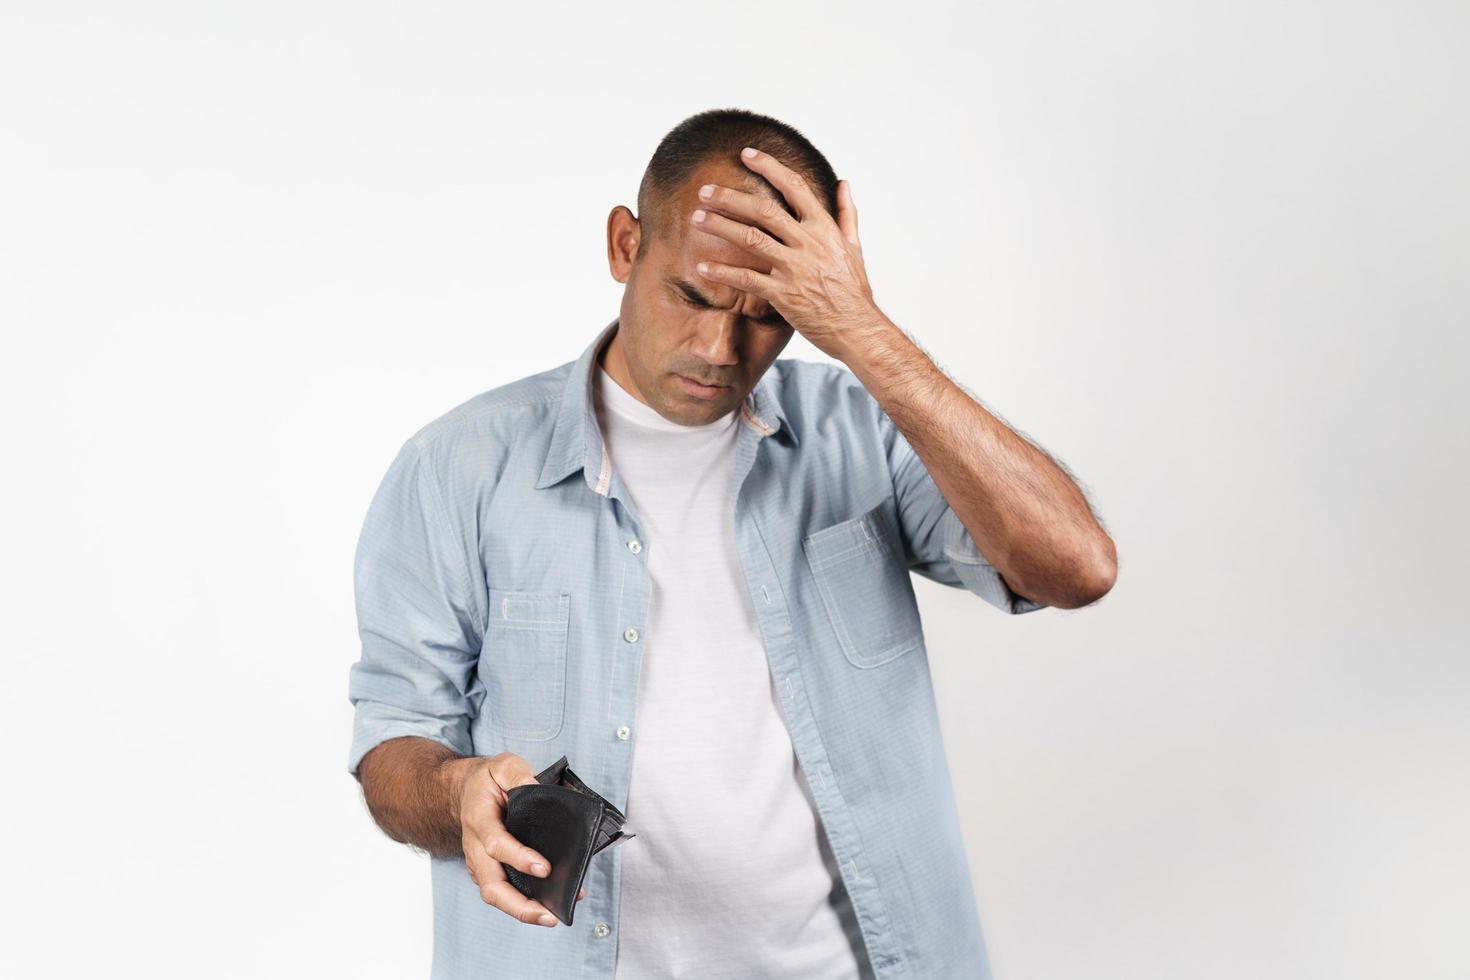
(684,564)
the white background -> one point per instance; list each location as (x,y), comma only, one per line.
(1213,256)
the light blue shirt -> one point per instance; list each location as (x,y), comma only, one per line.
(502,589)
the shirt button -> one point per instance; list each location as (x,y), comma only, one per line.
(601,931)
(630,634)
(635,546)
(623,732)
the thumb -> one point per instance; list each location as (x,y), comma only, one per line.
(847,219)
(509,770)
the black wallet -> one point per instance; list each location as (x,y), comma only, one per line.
(566,822)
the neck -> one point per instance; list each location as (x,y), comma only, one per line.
(611,360)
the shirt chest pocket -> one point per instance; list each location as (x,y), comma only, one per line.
(865,588)
(524,663)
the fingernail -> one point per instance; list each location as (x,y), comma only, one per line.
(749,151)
(538,868)
(547,919)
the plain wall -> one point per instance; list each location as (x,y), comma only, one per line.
(1212,256)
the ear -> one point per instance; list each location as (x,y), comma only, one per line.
(623,235)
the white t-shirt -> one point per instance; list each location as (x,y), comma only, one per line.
(730,875)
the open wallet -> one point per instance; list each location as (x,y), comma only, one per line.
(566,822)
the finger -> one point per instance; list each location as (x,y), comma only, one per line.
(506,897)
(581,894)
(754,209)
(742,278)
(488,836)
(748,237)
(498,891)
(792,185)
(500,846)
(847,218)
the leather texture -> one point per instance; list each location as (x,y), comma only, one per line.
(567,822)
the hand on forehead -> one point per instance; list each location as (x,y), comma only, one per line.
(698,245)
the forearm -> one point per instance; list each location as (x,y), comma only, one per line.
(413,788)
(1027,516)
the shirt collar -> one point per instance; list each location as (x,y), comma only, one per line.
(576,440)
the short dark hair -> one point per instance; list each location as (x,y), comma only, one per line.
(721,133)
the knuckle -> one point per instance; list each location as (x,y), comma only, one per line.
(494,847)
(769,209)
(475,841)
(754,237)
(507,850)
(507,764)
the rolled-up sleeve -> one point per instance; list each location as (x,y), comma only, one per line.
(418,615)
(936,544)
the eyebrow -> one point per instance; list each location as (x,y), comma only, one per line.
(692,293)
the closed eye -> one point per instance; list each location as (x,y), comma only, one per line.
(690,295)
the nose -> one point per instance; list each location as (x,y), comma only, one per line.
(718,340)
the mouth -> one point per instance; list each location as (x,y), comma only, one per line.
(701,389)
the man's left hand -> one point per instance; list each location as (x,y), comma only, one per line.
(817,280)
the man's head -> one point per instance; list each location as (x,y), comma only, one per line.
(673,321)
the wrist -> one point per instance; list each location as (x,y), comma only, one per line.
(877,351)
(452,774)
(861,337)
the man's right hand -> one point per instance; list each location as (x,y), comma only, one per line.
(479,785)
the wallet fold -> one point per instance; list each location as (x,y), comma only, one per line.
(567,822)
